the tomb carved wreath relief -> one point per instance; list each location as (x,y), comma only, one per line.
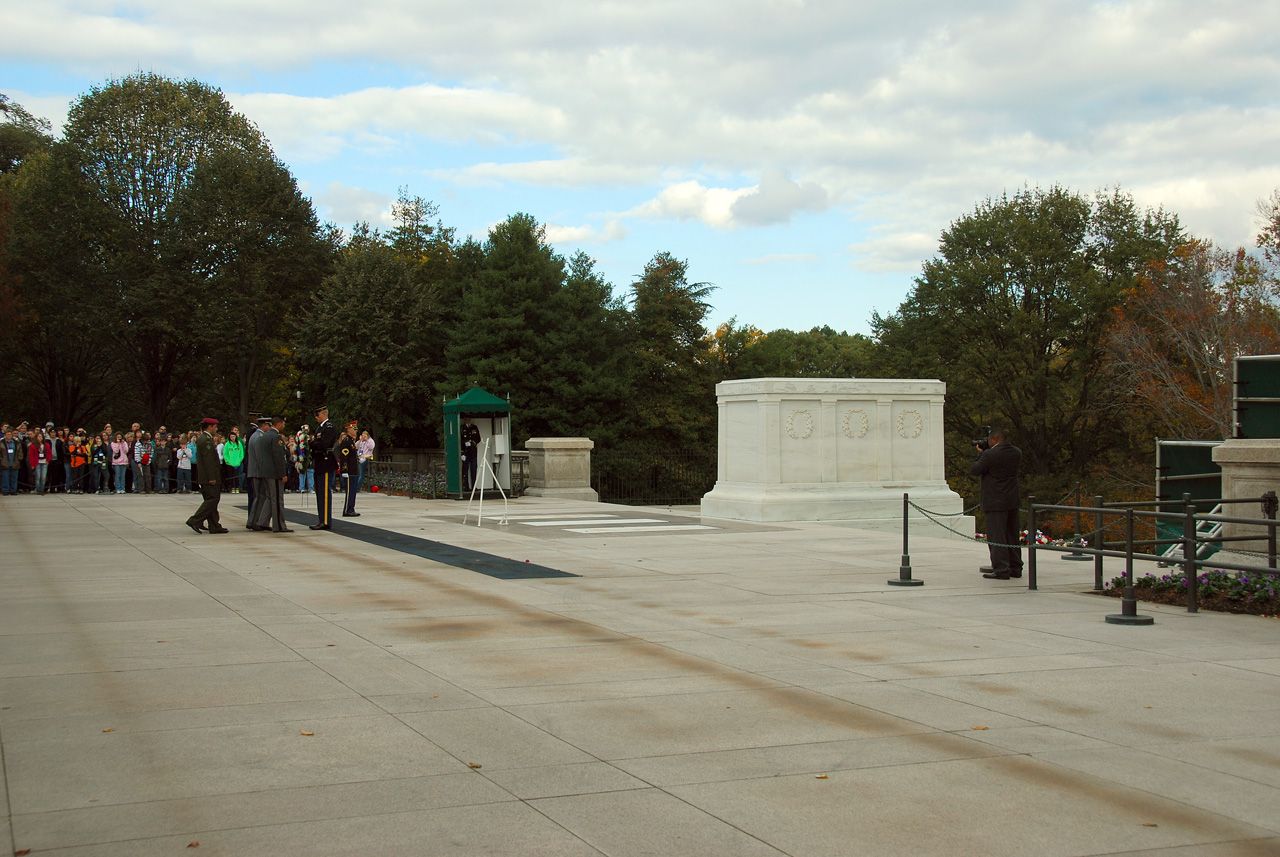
(855,423)
(910,423)
(800,424)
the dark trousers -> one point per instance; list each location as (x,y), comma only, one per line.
(269,504)
(353,488)
(1003,529)
(208,510)
(324,498)
(469,464)
(252,489)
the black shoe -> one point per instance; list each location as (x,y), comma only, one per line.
(256,528)
(319,527)
(350,514)
(219,530)
(1015,574)
(283,531)
(198,531)
(994,576)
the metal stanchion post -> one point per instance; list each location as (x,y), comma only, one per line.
(1128,614)
(1270,505)
(1031,542)
(1098,536)
(904,573)
(1077,538)
(1190,553)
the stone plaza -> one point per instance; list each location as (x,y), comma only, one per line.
(590,679)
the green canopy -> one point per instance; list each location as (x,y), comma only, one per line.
(477,401)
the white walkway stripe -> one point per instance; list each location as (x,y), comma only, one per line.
(668,528)
(583,521)
(531,517)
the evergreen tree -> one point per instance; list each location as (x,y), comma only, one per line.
(673,376)
(366,339)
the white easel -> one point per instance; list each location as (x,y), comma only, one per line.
(486,468)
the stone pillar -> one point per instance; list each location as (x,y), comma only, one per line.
(561,467)
(1250,468)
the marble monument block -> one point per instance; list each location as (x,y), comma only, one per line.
(1250,468)
(560,467)
(831,449)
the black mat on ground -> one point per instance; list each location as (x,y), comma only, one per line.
(482,563)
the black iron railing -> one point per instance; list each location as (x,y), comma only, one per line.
(652,477)
(1189,539)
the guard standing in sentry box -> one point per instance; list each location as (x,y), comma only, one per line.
(326,466)
(469,436)
(349,461)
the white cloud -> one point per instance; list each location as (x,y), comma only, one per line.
(691,200)
(610,230)
(344,205)
(563,172)
(894,252)
(776,199)
(902,114)
(381,117)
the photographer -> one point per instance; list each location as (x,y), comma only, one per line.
(998,466)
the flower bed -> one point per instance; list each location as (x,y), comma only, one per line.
(397,482)
(1228,592)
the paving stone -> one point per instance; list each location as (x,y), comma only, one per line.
(738,690)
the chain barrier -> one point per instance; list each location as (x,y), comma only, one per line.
(934,516)
(930,516)
(1243,552)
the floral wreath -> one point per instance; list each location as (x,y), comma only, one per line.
(804,433)
(863,423)
(916,429)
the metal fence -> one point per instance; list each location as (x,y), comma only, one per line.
(405,478)
(650,477)
(421,474)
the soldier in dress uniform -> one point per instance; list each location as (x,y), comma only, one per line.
(325,468)
(253,470)
(209,477)
(469,437)
(273,469)
(349,460)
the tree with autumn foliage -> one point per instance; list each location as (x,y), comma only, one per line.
(1172,340)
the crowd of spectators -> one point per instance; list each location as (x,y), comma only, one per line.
(43,460)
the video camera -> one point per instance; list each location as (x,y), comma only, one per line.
(982,443)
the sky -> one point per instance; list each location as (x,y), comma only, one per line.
(804,157)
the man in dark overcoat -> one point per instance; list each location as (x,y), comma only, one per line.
(998,466)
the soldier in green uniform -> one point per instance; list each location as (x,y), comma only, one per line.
(209,477)
(349,461)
